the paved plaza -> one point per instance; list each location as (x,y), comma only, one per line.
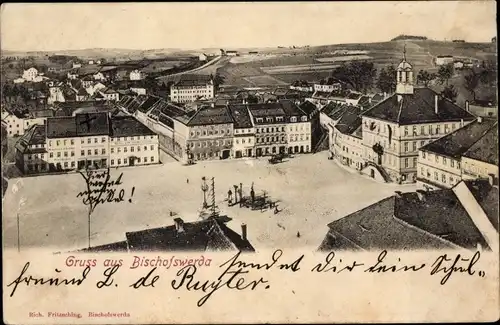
(311,191)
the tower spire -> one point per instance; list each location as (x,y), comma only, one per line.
(404,51)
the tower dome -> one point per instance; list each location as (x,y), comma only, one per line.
(404,76)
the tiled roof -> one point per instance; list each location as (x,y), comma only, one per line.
(460,141)
(211,115)
(241,116)
(35,135)
(435,220)
(210,234)
(486,148)
(128,126)
(417,108)
(80,125)
(350,120)
(187,80)
(308,107)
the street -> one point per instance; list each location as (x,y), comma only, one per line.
(311,192)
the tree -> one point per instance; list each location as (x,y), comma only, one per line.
(360,75)
(425,77)
(386,81)
(471,81)
(218,80)
(445,73)
(450,93)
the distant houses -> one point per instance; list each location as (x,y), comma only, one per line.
(444,60)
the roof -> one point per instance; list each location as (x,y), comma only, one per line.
(460,141)
(486,148)
(417,108)
(406,221)
(87,124)
(241,116)
(350,120)
(128,126)
(308,107)
(211,115)
(210,234)
(404,65)
(35,135)
(187,80)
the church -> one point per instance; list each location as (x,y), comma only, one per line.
(393,130)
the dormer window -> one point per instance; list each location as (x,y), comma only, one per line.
(293,119)
(269,119)
(259,120)
(304,118)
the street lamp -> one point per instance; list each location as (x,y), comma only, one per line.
(204,188)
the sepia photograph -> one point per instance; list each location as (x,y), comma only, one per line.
(243,128)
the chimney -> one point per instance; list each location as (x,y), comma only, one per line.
(179,225)
(479,119)
(385,95)
(436,102)
(461,122)
(421,195)
(467,106)
(244,231)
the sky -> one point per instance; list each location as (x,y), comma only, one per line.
(49,27)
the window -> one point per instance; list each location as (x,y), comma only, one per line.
(65,154)
(145,159)
(138,148)
(436,176)
(58,142)
(152,147)
(103,139)
(72,142)
(152,159)
(414,146)
(437,158)
(132,149)
(29,157)
(446,128)
(414,161)
(96,152)
(414,130)
(72,164)
(82,153)
(103,151)
(119,161)
(293,119)
(438,129)
(125,149)
(406,131)
(406,163)
(422,143)
(451,180)
(125,161)
(139,159)
(452,163)
(145,148)
(89,140)
(406,146)
(444,161)
(112,162)
(65,141)
(422,129)
(89,152)
(58,154)
(452,128)
(443,178)
(66,164)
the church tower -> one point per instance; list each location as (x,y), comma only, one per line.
(404,77)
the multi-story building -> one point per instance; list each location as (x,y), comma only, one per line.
(136,75)
(192,89)
(93,140)
(328,85)
(244,132)
(31,74)
(394,129)
(347,138)
(17,124)
(210,133)
(270,123)
(444,59)
(441,162)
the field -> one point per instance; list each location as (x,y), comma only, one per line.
(344,58)
(311,191)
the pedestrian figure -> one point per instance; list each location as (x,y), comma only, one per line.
(276,209)
(298,234)
(229,197)
(187,180)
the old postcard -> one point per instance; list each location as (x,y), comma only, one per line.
(243,162)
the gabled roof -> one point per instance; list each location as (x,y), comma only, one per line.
(350,120)
(435,220)
(460,141)
(207,235)
(35,135)
(417,108)
(87,124)
(486,148)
